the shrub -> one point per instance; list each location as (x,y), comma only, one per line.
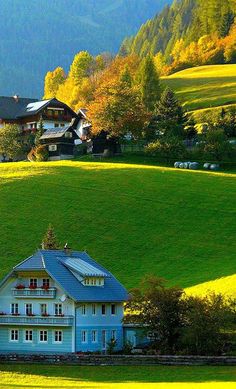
(167,148)
(41,153)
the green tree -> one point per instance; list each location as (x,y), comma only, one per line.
(161,309)
(216,146)
(81,66)
(207,320)
(169,116)
(39,133)
(148,82)
(226,23)
(49,241)
(11,144)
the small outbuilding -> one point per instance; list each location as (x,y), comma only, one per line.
(60,142)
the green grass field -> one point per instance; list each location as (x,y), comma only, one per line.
(204,86)
(133,219)
(158,377)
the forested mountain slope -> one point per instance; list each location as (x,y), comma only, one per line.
(189,32)
(38,35)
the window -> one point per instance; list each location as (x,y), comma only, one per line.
(83,309)
(113,335)
(104,339)
(94,336)
(14,335)
(14,309)
(84,336)
(93,309)
(28,309)
(58,336)
(33,282)
(52,147)
(62,124)
(113,309)
(46,282)
(58,309)
(68,135)
(56,125)
(28,335)
(43,336)
(43,309)
(103,309)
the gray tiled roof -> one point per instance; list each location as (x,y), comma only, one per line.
(10,108)
(54,262)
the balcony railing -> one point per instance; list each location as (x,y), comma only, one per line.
(38,293)
(36,320)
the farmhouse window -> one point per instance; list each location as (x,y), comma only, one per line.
(84,336)
(28,309)
(58,336)
(14,308)
(94,336)
(28,335)
(113,309)
(58,309)
(46,282)
(83,309)
(43,309)
(103,309)
(93,309)
(33,282)
(43,336)
(14,335)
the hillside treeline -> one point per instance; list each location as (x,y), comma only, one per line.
(188,33)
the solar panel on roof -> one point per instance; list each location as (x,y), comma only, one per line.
(35,106)
(83,267)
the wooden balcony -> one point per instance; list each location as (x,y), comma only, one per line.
(60,321)
(35,293)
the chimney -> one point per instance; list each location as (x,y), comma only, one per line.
(16,98)
(67,249)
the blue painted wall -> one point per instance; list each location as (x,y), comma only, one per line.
(35,346)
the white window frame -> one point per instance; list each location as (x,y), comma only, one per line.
(46,310)
(45,332)
(46,282)
(105,311)
(113,305)
(94,336)
(11,331)
(26,308)
(84,310)
(58,309)
(113,334)
(27,340)
(54,337)
(14,308)
(104,339)
(94,309)
(34,283)
(84,336)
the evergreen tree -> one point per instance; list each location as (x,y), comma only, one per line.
(226,24)
(39,133)
(49,241)
(126,77)
(81,66)
(169,116)
(148,81)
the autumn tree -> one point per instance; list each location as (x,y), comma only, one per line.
(52,82)
(81,66)
(49,241)
(11,145)
(118,109)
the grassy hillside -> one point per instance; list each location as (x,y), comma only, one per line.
(223,285)
(133,219)
(117,377)
(204,86)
